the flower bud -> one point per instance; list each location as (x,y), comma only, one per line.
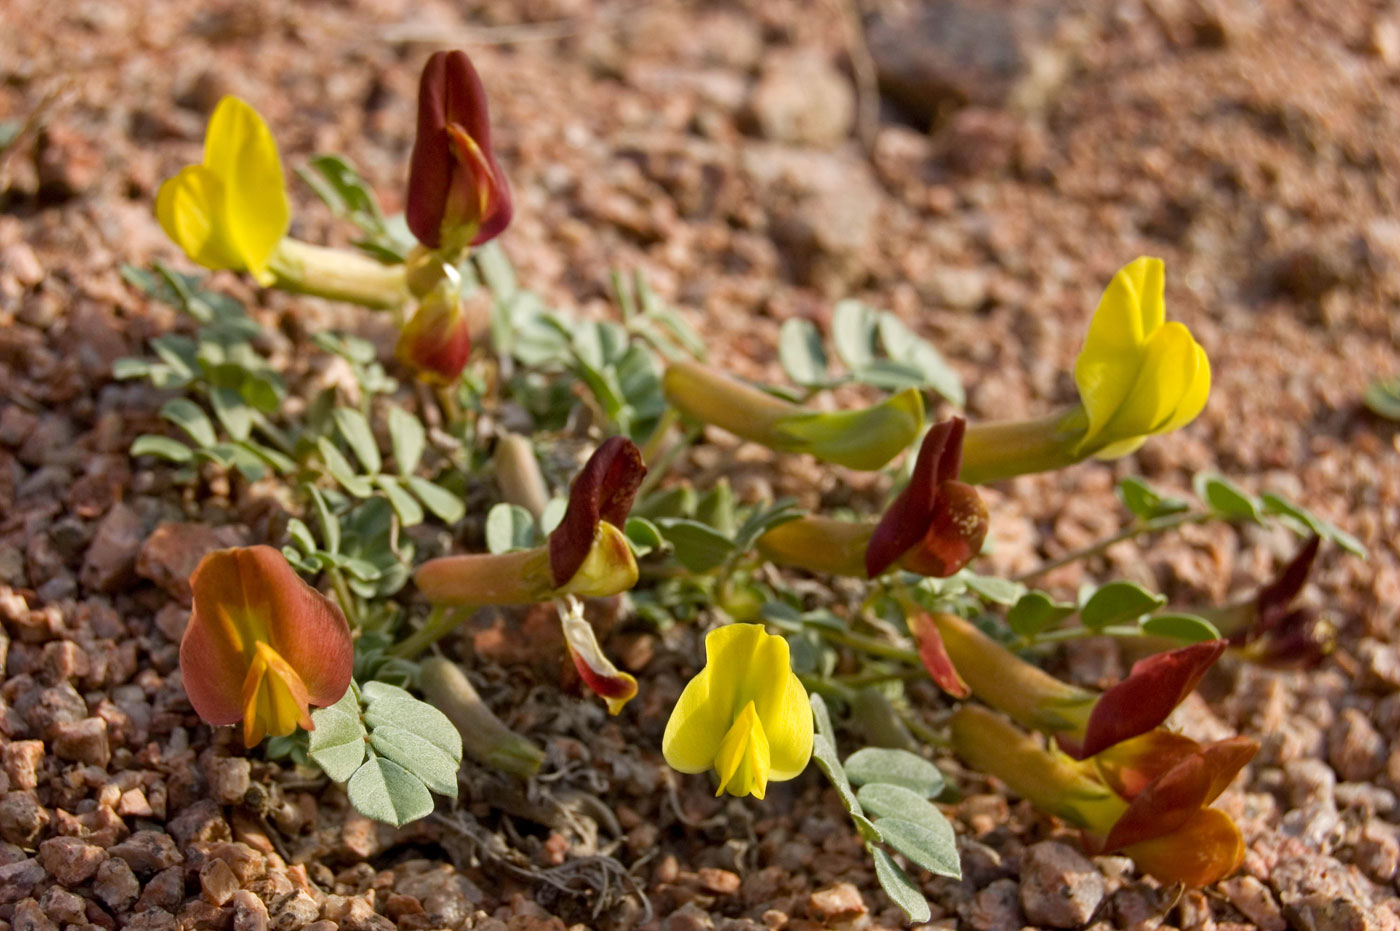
(457,194)
(436,342)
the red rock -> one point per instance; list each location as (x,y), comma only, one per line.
(217,882)
(173,550)
(82,741)
(841,900)
(70,860)
(21,759)
(116,884)
(110,562)
(22,818)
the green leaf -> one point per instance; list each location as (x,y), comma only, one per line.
(905,346)
(148,444)
(824,753)
(130,367)
(716,508)
(553,514)
(408,439)
(509,527)
(993,589)
(340,469)
(935,849)
(698,547)
(1118,602)
(417,717)
(1185,627)
(885,800)
(443,503)
(419,756)
(899,887)
(1276,504)
(889,375)
(188,416)
(801,353)
(405,505)
(383,790)
(1226,498)
(896,767)
(1144,502)
(300,535)
(643,535)
(1035,612)
(853,333)
(236,417)
(1383,398)
(357,433)
(337,745)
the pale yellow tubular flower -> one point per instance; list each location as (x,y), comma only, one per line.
(745,715)
(232,210)
(1137,374)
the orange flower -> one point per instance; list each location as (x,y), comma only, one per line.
(1148,797)
(262,646)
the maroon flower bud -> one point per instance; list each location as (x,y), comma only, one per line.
(602,492)
(437,339)
(457,195)
(937,524)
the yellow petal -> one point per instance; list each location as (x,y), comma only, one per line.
(274,698)
(783,707)
(1162,382)
(744,759)
(188,207)
(1193,400)
(1131,310)
(708,705)
(240,151)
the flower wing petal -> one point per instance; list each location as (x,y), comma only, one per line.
(240,150)
(603,490)
(189,207)
(1207,848)
(907,519)
(1152,690)
(306,628)
(708,704)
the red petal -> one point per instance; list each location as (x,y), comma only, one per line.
(450,92)
(436,342)
(907,519)
(1205,849)
(1130,766)
(1152,690)
(955,533)
(308,629)
(1174,797)
(603,490)
(213,659)
(935,655)
(1273,599)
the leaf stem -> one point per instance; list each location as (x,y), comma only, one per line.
(441,622)
(1137,529)
(348,604)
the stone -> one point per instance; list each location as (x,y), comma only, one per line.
(82,741)
(202,821)
(1354,747)
(1255,902)
(164,890)
(801,99)
(689,917)
(29,916)
(18,879)
(148,852)
(250,914)
(70,860)
(949,53)
(839,901)
(21,759)
(720,882)
(1060,887)
(229,778)
(22,818)
(61,905)
(217,882)
(173,550)
(110,563)
(115,884)
(996,908)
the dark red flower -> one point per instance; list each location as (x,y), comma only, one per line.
(457,194)
(937,524)
(602,492)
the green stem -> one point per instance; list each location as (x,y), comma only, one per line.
(921,730)
(871,645)
(1006,448)
(828,687)
(348,604)
(657,470)
(441,622)
(1081,633)
(652,448)
(1155,525)
(865,679)
(337,274)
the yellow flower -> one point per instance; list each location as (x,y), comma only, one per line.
(230,211)
(746,715)
(1137,374)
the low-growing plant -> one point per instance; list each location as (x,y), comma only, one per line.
(414,441)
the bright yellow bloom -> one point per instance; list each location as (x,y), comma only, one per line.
(1137,374)
(231,211)
(746,715)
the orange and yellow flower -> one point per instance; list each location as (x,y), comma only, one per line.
(262,646)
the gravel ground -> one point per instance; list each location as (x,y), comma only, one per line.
(1255,147)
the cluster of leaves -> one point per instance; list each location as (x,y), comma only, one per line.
(389,751)
(876,348)
(892,811)
(1383,398)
